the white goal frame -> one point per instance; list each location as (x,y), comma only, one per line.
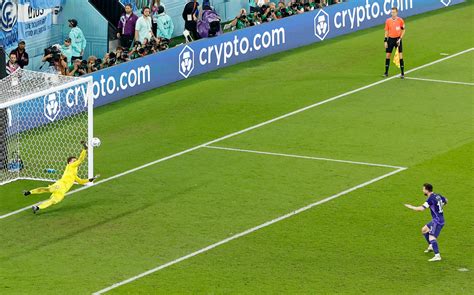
(75,81)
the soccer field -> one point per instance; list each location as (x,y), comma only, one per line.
(286,174)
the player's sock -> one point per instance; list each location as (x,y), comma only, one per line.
(402,66)
(427,237)
(387,65)
(434,244)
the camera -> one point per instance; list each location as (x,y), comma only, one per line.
(83,65)
(164,44)
(112,59)
(55,53)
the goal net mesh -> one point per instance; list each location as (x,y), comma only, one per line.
(43,118)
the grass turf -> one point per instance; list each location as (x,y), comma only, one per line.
(363,242)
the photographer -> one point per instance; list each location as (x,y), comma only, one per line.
(51,53)
(109,60)
(240,22)
(77,69)
(137,51)
(122,56)
(268,13)
(93,64)
(59,66)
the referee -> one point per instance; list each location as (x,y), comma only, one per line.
(394,32)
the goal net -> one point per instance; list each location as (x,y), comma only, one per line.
(43,119)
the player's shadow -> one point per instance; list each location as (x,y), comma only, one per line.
(69,235)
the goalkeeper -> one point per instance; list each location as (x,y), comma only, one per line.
(59,189)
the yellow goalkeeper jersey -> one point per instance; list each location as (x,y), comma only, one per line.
(70,173)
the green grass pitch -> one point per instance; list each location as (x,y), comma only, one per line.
(364,241)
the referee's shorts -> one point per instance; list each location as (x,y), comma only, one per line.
(392,43)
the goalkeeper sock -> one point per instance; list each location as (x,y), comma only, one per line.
(402,66)
(387,65)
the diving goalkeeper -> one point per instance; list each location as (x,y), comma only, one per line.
(59,189)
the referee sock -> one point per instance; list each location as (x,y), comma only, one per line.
(434,244)
(402,66)
(387,65)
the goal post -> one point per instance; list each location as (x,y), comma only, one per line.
(43,119)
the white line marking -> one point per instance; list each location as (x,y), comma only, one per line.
(303,157)
(244,233)
(440,81)
(250,128)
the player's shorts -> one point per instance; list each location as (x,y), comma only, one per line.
(392,43)
(435,228)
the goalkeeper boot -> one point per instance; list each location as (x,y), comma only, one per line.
(402,76)
(26,193)
(35,209)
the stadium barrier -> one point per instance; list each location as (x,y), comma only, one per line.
(131,78)
(207,55)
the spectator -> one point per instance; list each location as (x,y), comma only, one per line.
(143,27)
(76,69)
(12,64)
(165,26)
(66,50)
(253,6)
(78,41)
(126,27)
(190,16)
(154,6)
(21,54)
(209,24)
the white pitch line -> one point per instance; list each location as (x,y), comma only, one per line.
(247,232)
(251,128)
(440,81)
(304,157)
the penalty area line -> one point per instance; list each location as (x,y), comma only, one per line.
(247,232)
(252,127)
(440,81)
(302,157)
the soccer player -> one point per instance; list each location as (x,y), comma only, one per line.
(394,32)
(431,230)
(59,189)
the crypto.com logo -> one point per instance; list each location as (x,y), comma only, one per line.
(52,106)
(9,15)
(446,2)
(186,61)
(321,24)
